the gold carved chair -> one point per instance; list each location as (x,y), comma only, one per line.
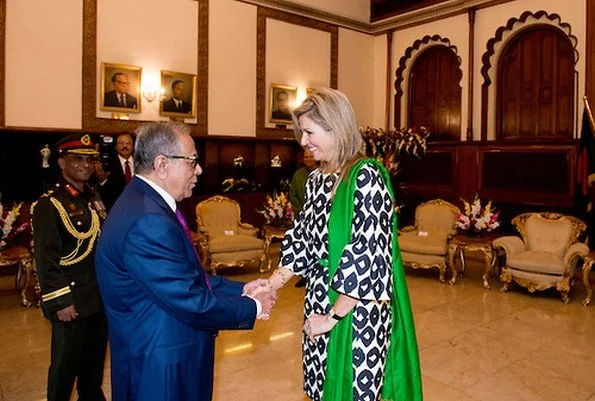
(547,254)
(425,245)
(224,240)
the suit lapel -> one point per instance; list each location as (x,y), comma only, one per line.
(143,187)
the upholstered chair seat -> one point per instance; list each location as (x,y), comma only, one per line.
(546,256)
(425,244)
(223,238)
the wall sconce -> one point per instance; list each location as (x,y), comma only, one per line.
(151,94)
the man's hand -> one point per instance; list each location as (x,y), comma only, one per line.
(267,300)
(67,314)
(100,173)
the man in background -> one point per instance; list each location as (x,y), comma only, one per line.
(120,170)
(66,226)
(119,96)
(297,190)
(177,104)
(163,310)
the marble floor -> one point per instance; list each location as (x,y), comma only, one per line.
(475,345)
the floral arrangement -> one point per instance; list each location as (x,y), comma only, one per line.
(385,146)
(277,210)
(478,219)
(8,217)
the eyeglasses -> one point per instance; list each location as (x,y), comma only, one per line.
(193,159)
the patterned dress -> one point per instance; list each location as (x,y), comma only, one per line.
(365,273)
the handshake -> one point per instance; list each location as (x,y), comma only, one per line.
(261,290)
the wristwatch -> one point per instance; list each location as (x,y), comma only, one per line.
(334,315)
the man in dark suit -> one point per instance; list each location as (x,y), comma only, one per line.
(119,96)
(163,310)
(177,104)
(282,112)
(119,173)
(66,224)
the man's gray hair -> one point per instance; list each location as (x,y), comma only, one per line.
(157,139)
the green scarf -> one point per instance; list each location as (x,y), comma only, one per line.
(402,376)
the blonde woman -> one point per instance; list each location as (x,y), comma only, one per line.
(357,312)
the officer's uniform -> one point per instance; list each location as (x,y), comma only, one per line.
(66,226)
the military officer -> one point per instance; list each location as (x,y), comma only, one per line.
(66,226)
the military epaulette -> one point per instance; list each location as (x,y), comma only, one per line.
(71,190)
(46,194)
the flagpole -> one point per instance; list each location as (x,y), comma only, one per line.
(589,114)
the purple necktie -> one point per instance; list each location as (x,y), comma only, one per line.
(182,221)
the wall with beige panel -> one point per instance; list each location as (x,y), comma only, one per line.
(297,56)
(232,68)
(356,73)
(43,63)
(153,34)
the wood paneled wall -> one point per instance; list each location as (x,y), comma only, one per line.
(516,176)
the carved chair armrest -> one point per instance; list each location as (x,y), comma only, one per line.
(512,245)
(201,238)
(574,254)
(407,229)
(247,229)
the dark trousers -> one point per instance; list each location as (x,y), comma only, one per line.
(78,351)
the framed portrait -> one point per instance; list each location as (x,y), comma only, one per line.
(179,94)
(282,101)
(120,88)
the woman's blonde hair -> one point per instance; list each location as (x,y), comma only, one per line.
(332,111)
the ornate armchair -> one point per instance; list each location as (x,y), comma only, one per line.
(547,254)
(425,245)
(224,240)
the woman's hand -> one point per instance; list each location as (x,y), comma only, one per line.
(316,325)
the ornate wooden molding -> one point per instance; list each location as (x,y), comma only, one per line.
(503,34)
(590,53)
(418,45)
(202,82)
(93,123)
(470,67)
(309,12)
(419,16)
(2,63)
(261,90)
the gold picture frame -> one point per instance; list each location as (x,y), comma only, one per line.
(282,100)
(120,89)
(179,95)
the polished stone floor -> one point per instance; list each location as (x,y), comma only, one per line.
(475,345)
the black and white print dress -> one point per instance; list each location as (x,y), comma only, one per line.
(365,273)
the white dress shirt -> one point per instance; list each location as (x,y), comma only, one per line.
(130,163)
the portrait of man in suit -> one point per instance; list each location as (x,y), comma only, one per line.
(179,94)
(120,88)
(176,103)
(282,100)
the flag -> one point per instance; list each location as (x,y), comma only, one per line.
(585,175)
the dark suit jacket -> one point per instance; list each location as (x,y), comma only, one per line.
(170,106)
(110,99)
(281,115)
(162,318)
(114,184)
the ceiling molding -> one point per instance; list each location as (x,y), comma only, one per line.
(416,17)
